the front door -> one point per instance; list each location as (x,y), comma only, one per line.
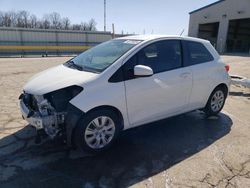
(164,93)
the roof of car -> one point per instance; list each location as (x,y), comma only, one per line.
(153,37)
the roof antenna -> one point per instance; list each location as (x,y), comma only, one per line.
(182,32)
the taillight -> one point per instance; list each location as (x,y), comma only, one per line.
(227,67)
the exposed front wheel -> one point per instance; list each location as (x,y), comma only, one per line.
(97,130)
(215,102)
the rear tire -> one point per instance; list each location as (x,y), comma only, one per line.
(215,102)
(97,131)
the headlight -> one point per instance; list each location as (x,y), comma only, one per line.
(59,99)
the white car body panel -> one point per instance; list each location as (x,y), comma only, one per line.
(161,94)
(164,94)
(204,82)
(56,78)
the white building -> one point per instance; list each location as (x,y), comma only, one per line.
(225,23)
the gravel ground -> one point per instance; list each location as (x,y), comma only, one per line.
(183,151)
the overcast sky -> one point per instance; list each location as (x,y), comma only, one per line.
(132,16)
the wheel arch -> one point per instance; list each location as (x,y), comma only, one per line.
(223,86)
(111,108)
(70,134)
(225,89)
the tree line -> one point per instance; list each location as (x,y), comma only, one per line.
(24,19)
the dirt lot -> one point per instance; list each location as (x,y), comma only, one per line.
(184,151)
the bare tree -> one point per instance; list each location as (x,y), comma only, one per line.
(1,19)
(65,23)
(13,18)
(84,26)
(23,19)
(39,24)
(33,21)
(6,20)
(76,27)
(92,25)
(89,26)
(51,21)
(45,23)
(55,20)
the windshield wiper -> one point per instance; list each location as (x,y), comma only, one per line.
(85,68)
(71,64)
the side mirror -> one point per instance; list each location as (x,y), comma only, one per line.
(142,71)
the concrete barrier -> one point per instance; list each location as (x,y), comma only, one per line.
(240,80)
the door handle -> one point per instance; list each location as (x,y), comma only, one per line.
(185,74)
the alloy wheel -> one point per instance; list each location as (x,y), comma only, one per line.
(99,132)
(217,101)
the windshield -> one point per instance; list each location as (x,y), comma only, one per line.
(98,58)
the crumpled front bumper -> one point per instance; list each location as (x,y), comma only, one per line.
(55,123)
(30,117)
(40,121)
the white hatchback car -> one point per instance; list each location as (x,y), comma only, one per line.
(124,83)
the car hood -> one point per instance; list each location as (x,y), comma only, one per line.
(56,78)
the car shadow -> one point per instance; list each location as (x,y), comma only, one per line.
(137,155)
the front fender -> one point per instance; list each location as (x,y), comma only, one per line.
(73,117)
(108,94)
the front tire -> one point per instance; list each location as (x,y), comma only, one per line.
(215,102)
(97,131)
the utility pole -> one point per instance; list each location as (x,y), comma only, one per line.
(104,15)
(113,29)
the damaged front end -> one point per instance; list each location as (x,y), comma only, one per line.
(48,112)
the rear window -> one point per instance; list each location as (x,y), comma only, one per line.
(197,53)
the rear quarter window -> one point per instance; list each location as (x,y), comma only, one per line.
(196,53)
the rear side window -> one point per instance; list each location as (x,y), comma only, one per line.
(196,53)
(161,56)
